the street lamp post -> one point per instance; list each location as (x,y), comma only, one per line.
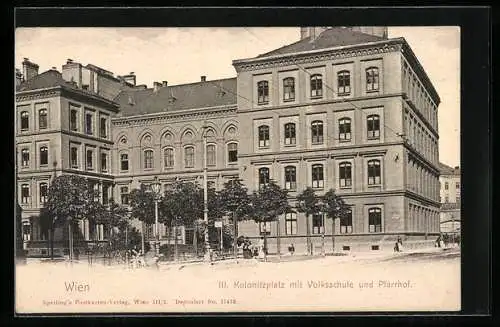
(207,257)
(156,188)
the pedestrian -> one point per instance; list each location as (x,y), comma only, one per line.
(400,244)
(261,248)
(396,247)
(291,249)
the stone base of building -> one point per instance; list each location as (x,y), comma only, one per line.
(347,243)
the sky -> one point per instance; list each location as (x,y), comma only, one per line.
(182,55)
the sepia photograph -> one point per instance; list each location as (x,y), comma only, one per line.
(237,169)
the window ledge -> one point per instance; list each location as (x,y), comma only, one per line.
(317,143)
(44,165)
(372,91)
(234,163)
(373,138)
(289,100)
(346,187)
(75,167)
(264,147)
(316,97)
(374,185)
(344,94)
(289,145)
(263,103)
(317,188)
(345,141)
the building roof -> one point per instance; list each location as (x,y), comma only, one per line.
(177,97)
(447,170)
(48,79)
(332,37)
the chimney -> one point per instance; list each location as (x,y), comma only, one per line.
(203,78)
(312,32)
(19,77)
(457,167)
(156,86)
(30,69)
(141,86)
(164,83)
(130,78)
(380,31)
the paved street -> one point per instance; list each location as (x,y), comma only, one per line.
(425,280)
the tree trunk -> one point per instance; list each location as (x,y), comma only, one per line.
(235,236)
(333,235)
(278,237)
(51,241)
(308,236)
(175,243)
(195,241)
(265,243)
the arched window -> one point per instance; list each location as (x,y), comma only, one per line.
(90,159)
(290,178)
(124,195)
(25,157)
(346,223)
(189,157)
(124,162)
(374,220)
(263,176)
(211,156)
(43,192)
(344,129)
(317,132)
(345,174)
(25,194)
(263,136)
(317,176)
(73,120)
(374,172)
(344,82)
(289,89)
(263,92)
(25,121)
(373,126)
(316,86)
(290,223)
(44,155)
(168,158)
(372,79)
(232,152)
(42,118)
(148,159)
(290,135)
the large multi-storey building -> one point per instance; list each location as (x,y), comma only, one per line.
(342,108)
(449,179)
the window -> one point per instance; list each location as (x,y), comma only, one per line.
(291,223)
(372,79)
(265,227)
(290,137)
(457,186)
(374,220)
(317,176)
(103,128)
(446,199)
(263,136)
(317,223)
(104,162)
(90,159)
(373,172)
(124,195)
(317,132)
(105,194)
(263,176)
(74,157)
(73,120)
(211,155)
(25,157)
(344,82)
(290,178)
(44,155)
(289,89)
(263,92)
(25,194)
(168,158)
(345,174)
(43,193)
(344,129)
(88,124)
(25,121)
(316,86)
(232,152)
(42,118)
(373,126)
(189,157)
(148,159)
(124,162)
(446,185)
(346,223)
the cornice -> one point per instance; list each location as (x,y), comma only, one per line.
(159,118)
(320,55)
(38,94)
